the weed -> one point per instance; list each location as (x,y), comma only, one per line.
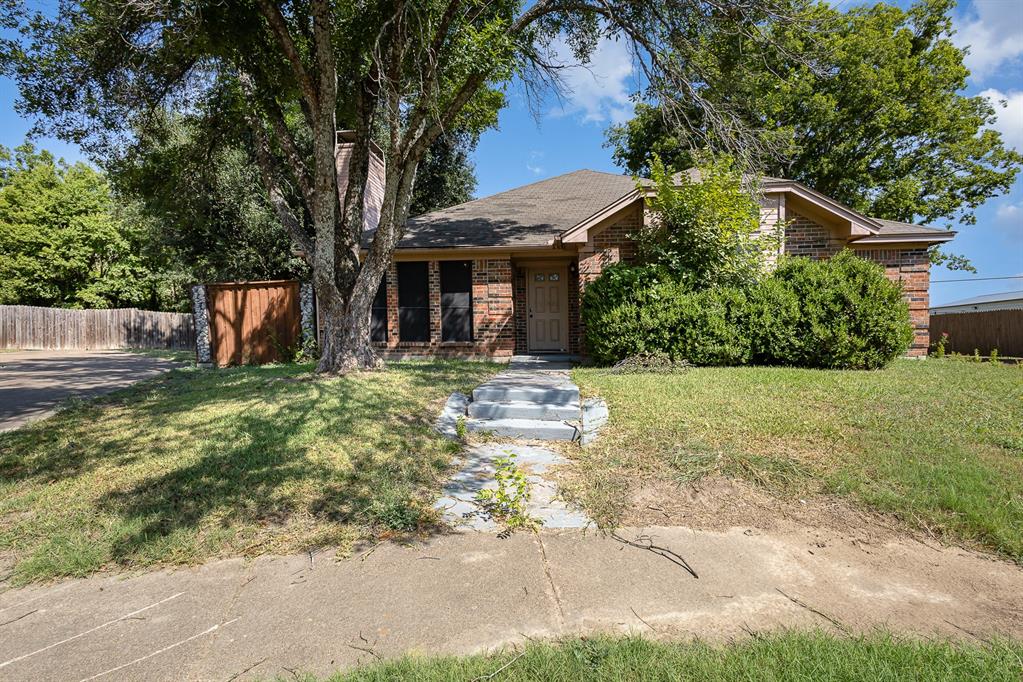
(507,504)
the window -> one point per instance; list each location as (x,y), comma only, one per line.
(456,300)
(413,301)
(378,321)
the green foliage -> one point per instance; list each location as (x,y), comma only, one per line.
(837,313)
(704,226)
(850,315)
(507,503)
(64,241)
(875,119)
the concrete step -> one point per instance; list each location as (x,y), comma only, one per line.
(519,409)
(563,394)
(531,429)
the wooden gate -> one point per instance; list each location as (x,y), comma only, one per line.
(253,323)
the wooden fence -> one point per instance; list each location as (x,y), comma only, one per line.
(254,322)
(981,331)
(31,328)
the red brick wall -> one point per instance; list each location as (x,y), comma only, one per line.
(912,268)
(609,246)
(804,237)
(492,312)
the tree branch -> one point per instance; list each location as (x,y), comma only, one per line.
(279,26)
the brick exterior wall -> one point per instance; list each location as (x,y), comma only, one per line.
(804,237)
(492,313)
(912,268)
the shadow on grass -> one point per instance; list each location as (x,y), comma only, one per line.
(187,464)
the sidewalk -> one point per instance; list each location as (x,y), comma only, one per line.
(458,593)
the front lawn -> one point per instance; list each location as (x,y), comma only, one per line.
(244,461)
(787,656)
(937,443)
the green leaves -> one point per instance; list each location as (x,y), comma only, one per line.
(864,106)
(63,241)
(705,229)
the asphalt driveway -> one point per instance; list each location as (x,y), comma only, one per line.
(34,383)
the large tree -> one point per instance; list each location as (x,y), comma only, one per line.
(878,120)
(396,72)
(64,241)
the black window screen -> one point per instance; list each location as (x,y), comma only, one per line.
(413,301)
(378,322)
(456,300)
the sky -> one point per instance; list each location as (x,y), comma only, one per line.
(532,143)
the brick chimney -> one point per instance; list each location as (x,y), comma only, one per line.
(374,187)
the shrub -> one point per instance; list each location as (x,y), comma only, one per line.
(706,225)
(850,314)
(839,313)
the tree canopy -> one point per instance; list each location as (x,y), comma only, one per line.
(877,120)
(63,241)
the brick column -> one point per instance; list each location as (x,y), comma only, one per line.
(435,321)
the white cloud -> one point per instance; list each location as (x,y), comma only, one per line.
(1009,109)
(598,91)
(994,34)
(533,165)
(1007,211)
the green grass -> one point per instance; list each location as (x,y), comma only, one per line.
(244,461)
(789,656)
(938,443)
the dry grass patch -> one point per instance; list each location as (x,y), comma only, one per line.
(938,444)
(244,461)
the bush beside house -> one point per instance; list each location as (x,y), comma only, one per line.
(701,293)
(837,313)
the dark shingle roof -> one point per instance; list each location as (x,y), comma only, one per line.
(531,215)
(892,227)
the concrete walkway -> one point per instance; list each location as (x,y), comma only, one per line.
(33,384)
(460,593)
(534,400)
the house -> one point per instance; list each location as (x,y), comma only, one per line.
(504,274)
(1008,300)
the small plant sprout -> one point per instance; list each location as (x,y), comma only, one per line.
(460,429)
(507,503)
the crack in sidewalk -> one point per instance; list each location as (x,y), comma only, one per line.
(555,597)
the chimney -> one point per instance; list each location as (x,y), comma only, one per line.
(374,198)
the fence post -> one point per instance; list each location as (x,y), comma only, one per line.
(306,302)
(201,317)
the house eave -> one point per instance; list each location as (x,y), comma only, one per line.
(904,239)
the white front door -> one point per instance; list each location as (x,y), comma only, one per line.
(547,293)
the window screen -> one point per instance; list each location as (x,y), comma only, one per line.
(456,300)
(413,301)
(378,322)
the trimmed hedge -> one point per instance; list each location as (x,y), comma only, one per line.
(837,313)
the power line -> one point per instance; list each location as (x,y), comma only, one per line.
(975,279)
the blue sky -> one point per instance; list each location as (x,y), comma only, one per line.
(570,135)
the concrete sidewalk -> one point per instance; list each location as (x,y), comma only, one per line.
(459,593)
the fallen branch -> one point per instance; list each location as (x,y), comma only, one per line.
(641,619)
(239,674)
(499,670)
(645,542)
(813,610)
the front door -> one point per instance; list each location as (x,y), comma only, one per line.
(547,308)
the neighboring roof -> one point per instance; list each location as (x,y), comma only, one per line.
(532,215)
(1014,297)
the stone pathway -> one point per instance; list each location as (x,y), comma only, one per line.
(458,501)
(535,400)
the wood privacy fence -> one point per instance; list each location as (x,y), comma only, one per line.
(981,331)
(254,322)
(32,328)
